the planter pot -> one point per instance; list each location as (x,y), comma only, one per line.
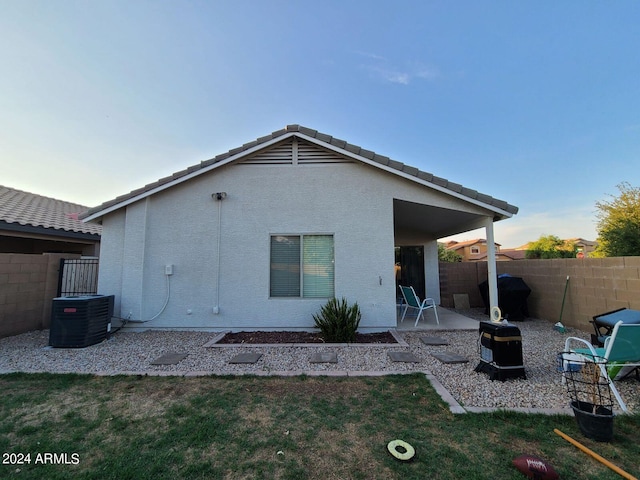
(597,426)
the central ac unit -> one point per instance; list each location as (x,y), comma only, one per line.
(81,321)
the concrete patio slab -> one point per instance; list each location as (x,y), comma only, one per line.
(172,358)
(449,320)
(407,357)
(246,358)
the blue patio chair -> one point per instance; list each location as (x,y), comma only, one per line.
(621,349)
(411,300)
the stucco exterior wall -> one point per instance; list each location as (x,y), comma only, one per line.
(112,263)
(181,227)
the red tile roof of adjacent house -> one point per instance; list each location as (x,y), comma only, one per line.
(578,241)
(31,210)
(508,253)
(514,254)
(453,245)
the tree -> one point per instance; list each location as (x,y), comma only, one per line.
(619,223)
(445,255)
(550,246)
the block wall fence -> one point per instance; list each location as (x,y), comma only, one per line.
(596,285)
(28,283)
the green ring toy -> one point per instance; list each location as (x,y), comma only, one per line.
(405,456)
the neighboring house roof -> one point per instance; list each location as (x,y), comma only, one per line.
(510,254)
(578,241)
(500,207)
(30,213)
(513,254)
(582,242)
(453,245)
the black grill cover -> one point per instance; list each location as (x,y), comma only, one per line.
(512,297)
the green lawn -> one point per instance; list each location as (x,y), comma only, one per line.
(264,427)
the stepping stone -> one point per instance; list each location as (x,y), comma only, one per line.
(450,357)
(434,341)
(403,357)
(246,358)
(326,357)
(170,359)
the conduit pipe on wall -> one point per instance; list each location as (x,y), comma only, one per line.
(219,196)
(166,301)
(164,306)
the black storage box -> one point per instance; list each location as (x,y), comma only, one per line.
(604,323)
(81,321)
(512,297)
(500,351)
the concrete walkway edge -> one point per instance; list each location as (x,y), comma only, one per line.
(453,404)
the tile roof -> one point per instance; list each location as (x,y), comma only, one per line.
(331,142)
(29,209)
(508,253)
(514,254)
(453,245)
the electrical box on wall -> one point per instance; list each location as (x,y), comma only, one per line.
(168,269)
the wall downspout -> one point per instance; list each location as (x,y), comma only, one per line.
(218,197)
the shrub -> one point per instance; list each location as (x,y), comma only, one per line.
(338,322)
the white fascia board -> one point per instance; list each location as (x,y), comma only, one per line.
(189,176)
(407,176)
(278,139)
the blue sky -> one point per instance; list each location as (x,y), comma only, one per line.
(536,103)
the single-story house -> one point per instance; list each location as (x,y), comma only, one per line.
(260,237)
(34,224)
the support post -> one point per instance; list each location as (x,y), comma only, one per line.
(432,271)
(491,264)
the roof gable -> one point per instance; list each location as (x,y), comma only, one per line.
(295,151)
(265,150)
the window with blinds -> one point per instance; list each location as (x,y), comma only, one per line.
(302,266)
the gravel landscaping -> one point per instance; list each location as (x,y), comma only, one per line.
(128,352)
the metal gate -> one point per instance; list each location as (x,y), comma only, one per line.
(78,276)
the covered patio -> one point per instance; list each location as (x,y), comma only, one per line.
(417,228)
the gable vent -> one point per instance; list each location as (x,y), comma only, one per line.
(280,154)
(295,152)
(309,153)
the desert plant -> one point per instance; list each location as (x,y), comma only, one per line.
(337,321)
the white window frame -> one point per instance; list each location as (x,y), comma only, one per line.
(302,266)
